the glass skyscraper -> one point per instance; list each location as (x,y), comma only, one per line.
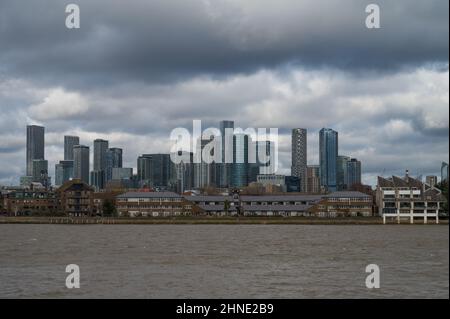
(113,160)
(35,146)
(81,163)
(224,169)
(69,143)
(240,166)
(353,172)
(342,172)
(328,154)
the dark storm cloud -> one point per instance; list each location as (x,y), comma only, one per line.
(161,41)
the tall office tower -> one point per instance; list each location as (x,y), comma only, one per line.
(240,166)
(81,163)
(261,159)
(444,172)
(113,160)
(40,172)
(313,178)
(341,170)
(69,143)
(328,153)
(35,146)
(100,148)
(431,180)
(185,173)
(204,172)
(299,156)
(97,180)
(353,172)
(63,172)
(144,169)
(224,176)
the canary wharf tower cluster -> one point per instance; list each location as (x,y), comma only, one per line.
(334,172)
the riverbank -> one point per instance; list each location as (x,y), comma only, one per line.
(209,221)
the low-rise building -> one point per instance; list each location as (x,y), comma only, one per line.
(344,204)
(28,202)
(408,197)
(75,198)
(152,204)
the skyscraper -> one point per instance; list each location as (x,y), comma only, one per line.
(100,148)
(69,143)
(313,179)
(299,156)
(81,163)
(63,172)
(113,160)
(444,172)
(353,172)
(156,170)
(99,173)
(204,172)
(40,172)
(224,176)
(328,153)
(35,146)
(240,166)
(342,172)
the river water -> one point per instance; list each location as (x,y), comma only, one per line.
(224,261)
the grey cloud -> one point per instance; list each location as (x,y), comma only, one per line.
(160,41)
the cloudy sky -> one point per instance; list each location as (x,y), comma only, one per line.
(135,71)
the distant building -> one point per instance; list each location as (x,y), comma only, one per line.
(113,160)
(431,180)
(81,163)
(40,172)
(185,173)
(100,150)
(69,143)
(272,179)
(299,156)
(156,170)
(240,166)
(328,153)
(224,177)
(204,173)
(97,180)
(313,179)
(35,146)
(292,184)
(63,172)
(353,174)
(119,173)
(444,172)
(341,172)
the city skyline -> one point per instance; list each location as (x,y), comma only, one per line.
(96,168)
(223,61)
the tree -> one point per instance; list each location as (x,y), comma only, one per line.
(109,209)
(226,206)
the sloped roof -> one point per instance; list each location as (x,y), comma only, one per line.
(150,195)
(74,184)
